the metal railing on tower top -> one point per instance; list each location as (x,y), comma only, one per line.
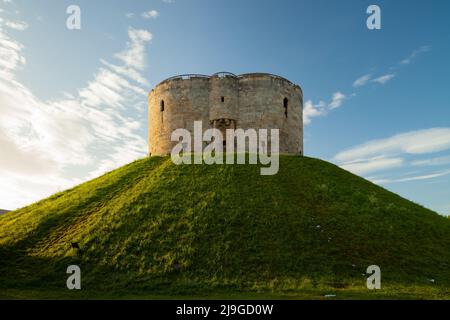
(224,74)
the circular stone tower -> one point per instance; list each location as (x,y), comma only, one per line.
(226,101)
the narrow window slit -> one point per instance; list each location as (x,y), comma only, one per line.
(285,105)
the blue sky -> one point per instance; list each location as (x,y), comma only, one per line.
(73,101)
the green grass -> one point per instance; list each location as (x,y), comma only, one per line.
(360,293)
(152,229)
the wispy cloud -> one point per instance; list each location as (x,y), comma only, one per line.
(311,110)
(337,100)
(128,72)
(411,178)
(424,177)
(16,25)
(413,142)
(361,81)
(389,153)
(152,14)
(415,54)
(134,55)
(438,161)
(90,131)
(11,57)
(384,79)
(370,165)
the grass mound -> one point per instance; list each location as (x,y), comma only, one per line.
(152,228)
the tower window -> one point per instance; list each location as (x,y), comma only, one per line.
(285,105)
(162,106)
(223,99)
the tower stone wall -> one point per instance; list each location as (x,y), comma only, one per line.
(226,101)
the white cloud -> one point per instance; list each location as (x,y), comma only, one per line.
(424,177)
(11,56)
(134,55)
(371,165)
(337,100)
(127,72)
(129,15)
(411,178)
(413,142)
(108,88)
(16,25)
(89,131)
(23,189)
(152,14)
(384,79)
(385,154)
(389,155)
(432,162)
(415,54)
(311,110)
(361,81)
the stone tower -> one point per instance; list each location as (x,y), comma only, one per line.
(226,101)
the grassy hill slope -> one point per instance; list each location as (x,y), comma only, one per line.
(153,228)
